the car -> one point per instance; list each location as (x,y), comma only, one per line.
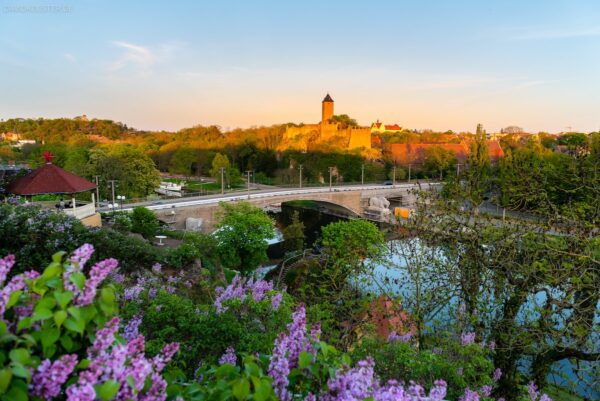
(388,182)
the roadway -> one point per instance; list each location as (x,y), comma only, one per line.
(258,194)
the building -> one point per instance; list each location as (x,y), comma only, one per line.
(379,128)
(416,153)
(326,134)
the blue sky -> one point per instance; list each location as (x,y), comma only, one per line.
(421,64)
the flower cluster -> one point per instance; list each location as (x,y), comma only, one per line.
(241,289)
(360,383)
(50,376)
(125,364)
(467,338)
(228,357)
(132,328)
(17,283)
(287,349)
(534,394)
(393,337)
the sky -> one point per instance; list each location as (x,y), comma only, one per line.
(421,64)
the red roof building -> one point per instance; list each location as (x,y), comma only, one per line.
(49,179)
(407,153)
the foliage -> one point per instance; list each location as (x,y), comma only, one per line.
(144,221)
(350,242)
(56,325)
(293,234)
(242,235)
(438,160)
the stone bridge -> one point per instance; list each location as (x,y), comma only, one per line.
(353,198)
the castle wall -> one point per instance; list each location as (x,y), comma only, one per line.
(359,138)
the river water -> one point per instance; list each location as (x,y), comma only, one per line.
(408,259)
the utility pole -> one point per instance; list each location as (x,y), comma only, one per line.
(394,177)
(112,185)
(222,169)
(409,165)
(330,170)
(458,169)
(248,180)
(97,177)
(300,168)
(362,174)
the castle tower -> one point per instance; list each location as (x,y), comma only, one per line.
(327,109)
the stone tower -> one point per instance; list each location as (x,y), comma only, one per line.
(327,109)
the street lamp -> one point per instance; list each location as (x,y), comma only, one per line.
(330,171)
(300,168)
(121,199)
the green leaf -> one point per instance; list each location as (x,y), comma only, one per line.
(51,271)
(107,390)
(14,298)
(263,391)
(58,256)
(3,328)
(67,343)
(20,371)
(5,377)
(25,323)
(17,394)
(305,359)
(50,336)
(76,325)
(63,298)
(59,317)
(241,389)
(107,300)
(78,279)
(42,314)
(19,355)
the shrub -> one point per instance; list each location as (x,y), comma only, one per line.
(144,221)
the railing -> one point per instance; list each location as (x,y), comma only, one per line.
(81,212)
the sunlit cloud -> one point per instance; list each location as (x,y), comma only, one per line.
(133,55)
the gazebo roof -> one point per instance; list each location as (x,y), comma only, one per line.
(49,179)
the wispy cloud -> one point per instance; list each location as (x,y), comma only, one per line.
(555,33)
(132,54)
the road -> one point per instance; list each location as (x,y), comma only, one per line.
(259,194)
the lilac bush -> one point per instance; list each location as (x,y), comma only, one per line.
(241,289)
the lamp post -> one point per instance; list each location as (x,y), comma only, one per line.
(248,181)
(300,169)
(362,174)
(330,171)
(222,169)
(409,165)
(121,199)
(394,177)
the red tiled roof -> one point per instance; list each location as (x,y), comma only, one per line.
(49,179)
(394,127)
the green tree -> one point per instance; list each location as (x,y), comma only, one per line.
(220,161)
(438,160)
(350,242)
(182,161)
(77,161)
(344,120)
(479,166)
(242,234)
(144,221)
(293,234)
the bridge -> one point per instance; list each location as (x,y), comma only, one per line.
(353,198)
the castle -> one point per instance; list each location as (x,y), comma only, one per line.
(326,134)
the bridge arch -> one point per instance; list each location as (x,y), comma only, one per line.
(332,208)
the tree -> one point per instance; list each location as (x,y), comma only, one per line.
(182,161)
(438,160)
(242,233)
(293,234)
(344,120)
(350,242)
(144,221)
(478,173)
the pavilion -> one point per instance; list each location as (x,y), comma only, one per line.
(51,179)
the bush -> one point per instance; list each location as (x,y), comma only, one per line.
(144,221)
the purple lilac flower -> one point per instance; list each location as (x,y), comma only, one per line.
(6,264)
(497,375)
(235,290)
(437,351)
(98,273)
(49,377)
(260,288)
(393,337)
(486,390)
(173,279)
(131,330)
(118,278)
(17,283)
(276,301)
(438,391)
(228,357)
(158,308)
(545,397)
(532,389)
(467,338)
(133,293)
(152,293)
(353,384)
(78,260)
(104,337)
(469,395)
(492,345)
(310,397)
(188,283)
(166,354)
(156,268)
